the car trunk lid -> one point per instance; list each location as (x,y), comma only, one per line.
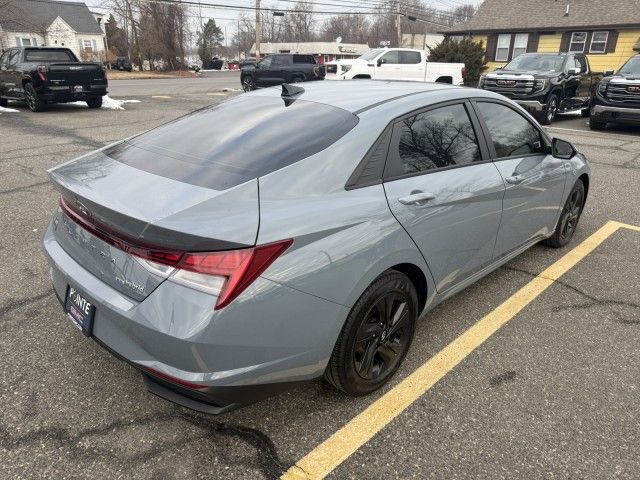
(111,209)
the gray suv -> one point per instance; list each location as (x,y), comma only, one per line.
(290,234)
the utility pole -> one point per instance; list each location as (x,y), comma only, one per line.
(258,30)
(398,29)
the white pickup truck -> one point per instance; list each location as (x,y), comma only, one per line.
(396,64)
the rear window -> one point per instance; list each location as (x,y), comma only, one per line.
(49,56)
(235,141)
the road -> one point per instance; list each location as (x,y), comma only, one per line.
(553,393)
(208,82)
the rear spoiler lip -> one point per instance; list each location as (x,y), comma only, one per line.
(150,235)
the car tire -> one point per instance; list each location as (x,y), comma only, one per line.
(596,125)
(548,114)
(370,350)
(297,80)
(94,102)
(569,217)
(585,112)
(34,102)
(4,102)
(248,83)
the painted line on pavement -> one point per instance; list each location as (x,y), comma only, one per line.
(323,459)
(160,97)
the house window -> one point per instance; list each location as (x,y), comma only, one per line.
(87,44)
(578,42)
(599,42)
(26,42)
(520,44)
(502,49)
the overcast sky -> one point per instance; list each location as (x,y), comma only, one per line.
(227,19)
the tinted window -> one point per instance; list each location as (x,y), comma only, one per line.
(439,138)
(48,56)
(266,62)
(407,57)
(581,63)
(303,59)
(512,134)
(14,57)
(281,61)
(391,57)
(235,141)
(4,58)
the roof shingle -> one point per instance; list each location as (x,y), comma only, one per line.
(514,15)
(37,15)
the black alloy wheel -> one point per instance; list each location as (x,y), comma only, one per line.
(248,84)
(569,217)
(549,113)
(34,102)
(383,336)
(376,336)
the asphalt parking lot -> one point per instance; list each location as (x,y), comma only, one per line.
(554,392)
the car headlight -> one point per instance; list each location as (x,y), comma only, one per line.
(539,84)
(345,68)
(602,88)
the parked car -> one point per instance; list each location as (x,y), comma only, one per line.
(306,237)
(396,64)
(545,83)
(281,68)
(213,64)
(248,61)
(617,97)
(42,75)
(195,67)
(122,63)
(233,65)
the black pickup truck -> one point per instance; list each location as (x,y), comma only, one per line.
(545,83)
(617,97)
(41,75)
(281,68)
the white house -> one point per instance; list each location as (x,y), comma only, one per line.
(50,23)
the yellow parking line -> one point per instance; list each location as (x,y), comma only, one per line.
(323,459)
(160,97)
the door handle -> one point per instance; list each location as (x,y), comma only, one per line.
(514,179)
(416,198)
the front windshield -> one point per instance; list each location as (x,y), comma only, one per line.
(540,63)
(367,57)
(632,67)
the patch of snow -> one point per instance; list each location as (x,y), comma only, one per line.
(229,89)
(109,103)
(8,110)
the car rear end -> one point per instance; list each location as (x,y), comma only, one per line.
(61,78)
(153,254)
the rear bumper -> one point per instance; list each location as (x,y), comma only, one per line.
(609,113)
(270,338)
(65,96)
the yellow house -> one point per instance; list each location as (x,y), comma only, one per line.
(607,31)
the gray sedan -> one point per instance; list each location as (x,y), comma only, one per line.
(299,232)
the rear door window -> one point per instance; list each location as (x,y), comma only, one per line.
(512,134)
(409,58)
(281,61)
(303,59)
(439,138)
(241,139)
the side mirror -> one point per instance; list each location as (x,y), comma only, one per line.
(380,61)
(574,71)
(562,149)
(608,73)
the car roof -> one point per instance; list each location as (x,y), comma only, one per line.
(356,96)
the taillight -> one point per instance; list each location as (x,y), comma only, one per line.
(225,274)
(228,273)
(42,72)
(316,71)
